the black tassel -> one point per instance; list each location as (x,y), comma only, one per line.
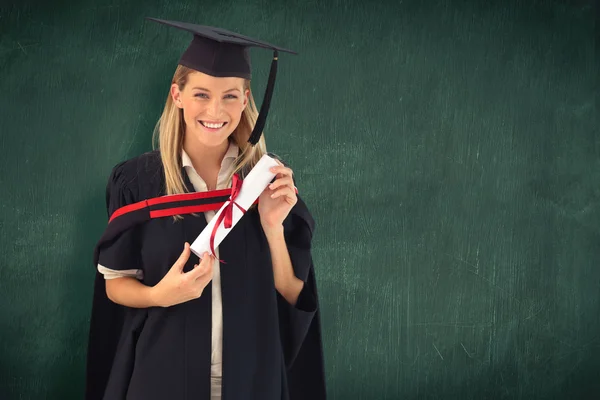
(264,108)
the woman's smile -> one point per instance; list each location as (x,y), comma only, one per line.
(212,126)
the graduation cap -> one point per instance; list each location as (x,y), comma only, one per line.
(222,53)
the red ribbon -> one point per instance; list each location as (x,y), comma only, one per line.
(227,214)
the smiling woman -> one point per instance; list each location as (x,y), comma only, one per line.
(196,98)
(208,106)
(167,325)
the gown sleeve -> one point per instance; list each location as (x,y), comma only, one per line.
(107,318)
(121,253)
(300,325)
(295,320)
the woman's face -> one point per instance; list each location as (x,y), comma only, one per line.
(212,107)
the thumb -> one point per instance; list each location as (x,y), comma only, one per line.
(185,255)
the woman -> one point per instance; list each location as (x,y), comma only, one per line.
(180,327)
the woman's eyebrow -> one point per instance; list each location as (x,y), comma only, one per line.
(206,90)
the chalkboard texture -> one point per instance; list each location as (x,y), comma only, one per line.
(449,151)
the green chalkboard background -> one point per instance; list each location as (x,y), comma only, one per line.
(449,151)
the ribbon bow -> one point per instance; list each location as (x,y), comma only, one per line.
(227,215)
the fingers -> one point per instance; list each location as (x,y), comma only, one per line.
(286,180)
(282,170)
(286,191)
(203,267)
(185,255)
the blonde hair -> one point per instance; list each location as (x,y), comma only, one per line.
(170,130)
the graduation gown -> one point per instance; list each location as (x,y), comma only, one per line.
(271,349)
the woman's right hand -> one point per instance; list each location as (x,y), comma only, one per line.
(177,286)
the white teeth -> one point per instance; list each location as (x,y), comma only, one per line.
(212,126)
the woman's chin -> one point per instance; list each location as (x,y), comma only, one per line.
(211,139)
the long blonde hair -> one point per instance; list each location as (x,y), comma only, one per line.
(170,129)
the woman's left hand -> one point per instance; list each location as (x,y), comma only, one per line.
(276,201)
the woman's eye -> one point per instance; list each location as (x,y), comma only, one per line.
(205,96)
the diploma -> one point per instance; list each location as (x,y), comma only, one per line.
(253,185)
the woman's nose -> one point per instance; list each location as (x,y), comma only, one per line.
(215,107)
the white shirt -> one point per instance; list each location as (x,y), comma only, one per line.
(227,165)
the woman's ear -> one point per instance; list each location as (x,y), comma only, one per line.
(176,95)
(246,95)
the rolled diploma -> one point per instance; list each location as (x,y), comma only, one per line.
(252,186)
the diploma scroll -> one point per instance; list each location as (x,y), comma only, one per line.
(253,185)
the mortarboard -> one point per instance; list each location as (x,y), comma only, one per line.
(222,53)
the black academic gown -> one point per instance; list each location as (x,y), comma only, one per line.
(271,349)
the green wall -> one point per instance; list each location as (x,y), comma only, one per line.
(449,151)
